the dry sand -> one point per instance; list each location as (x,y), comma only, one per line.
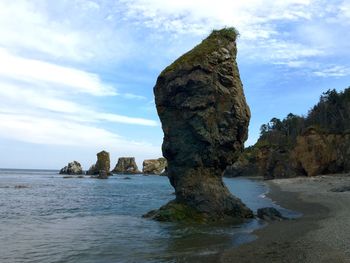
(322,234)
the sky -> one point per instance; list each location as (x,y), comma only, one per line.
(77,76)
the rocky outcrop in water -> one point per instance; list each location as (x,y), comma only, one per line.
(126,165)
(102,174)
(154,166)
(205,117)
(73,168)
(102,164)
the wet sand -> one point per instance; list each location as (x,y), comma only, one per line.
(322,234)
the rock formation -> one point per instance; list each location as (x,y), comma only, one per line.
(313,153)
(244,166)
(270,214)
(154,166)
(73,168)
(126,165)
(102,164)
(102,174)
(205,117)
(318,153)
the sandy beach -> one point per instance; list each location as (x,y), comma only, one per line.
(322,234)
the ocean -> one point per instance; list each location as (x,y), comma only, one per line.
(45,218)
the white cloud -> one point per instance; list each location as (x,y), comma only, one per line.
(41,130)
(274,32)
(199,16)
(334,71)
(19,100)
(73,30)
(31,70)
(133,96)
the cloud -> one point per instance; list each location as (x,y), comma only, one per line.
(73,30)
(334,71)
(17,99)
(42,130)
(133,96)
(199,16)
(30,70)
(291,33)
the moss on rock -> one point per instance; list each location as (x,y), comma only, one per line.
(177,212)
(206,47)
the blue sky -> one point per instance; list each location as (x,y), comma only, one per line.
(77,76)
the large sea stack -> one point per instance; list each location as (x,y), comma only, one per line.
(103,164)
(205,117)
(126,165)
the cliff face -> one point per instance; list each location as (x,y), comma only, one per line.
(126,165)
(205,119)
(319,153)
(313,153)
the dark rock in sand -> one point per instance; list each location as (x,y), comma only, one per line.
(341,189)
(73,168)
(205,117)
(154,166)
(270,214)
(102,164)
(126,165)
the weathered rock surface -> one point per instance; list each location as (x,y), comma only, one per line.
(126,165)
(205,119)
(313,153)
(274,162)
(270,214)
(241,169)
(318,153)
(341,189)
(73,168)
(102,174)
(154,166)
(103,164)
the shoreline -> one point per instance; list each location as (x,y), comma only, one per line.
(321,234)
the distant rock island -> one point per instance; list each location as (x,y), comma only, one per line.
(155,166)
(73,168)
(205,117)
(102,166)
(302,146)
(126,165)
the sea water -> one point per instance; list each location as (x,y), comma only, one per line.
(45,218)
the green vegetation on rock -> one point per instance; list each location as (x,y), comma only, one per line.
(206,47)
(177,212)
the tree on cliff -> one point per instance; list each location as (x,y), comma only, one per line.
(331,114)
